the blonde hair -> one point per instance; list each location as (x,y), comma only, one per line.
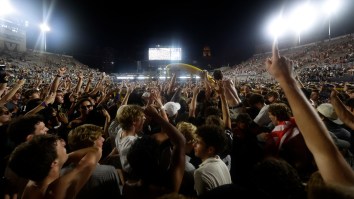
(188,130)
(127,114)
(84,136)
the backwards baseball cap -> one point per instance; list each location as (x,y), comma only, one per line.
(327,110)
(171,108)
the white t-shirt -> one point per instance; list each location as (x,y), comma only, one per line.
(211,173)
(123,145)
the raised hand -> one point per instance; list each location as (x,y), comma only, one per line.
(278,66)
(151,111)
(50,98)
(61,71)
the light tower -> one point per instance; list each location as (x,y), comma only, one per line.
(44,29)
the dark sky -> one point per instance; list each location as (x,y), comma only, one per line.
(231,29)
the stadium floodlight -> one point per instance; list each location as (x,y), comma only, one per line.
(277,27)
(5,8)
(331,6)
(302,18)
(44,29)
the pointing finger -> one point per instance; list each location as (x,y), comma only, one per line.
(275,50)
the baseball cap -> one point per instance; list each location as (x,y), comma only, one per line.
(171,108)
(327,110)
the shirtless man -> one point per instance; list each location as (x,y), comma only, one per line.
(47,155)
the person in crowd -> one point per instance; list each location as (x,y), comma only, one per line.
(343,114)
(9,95)
(277,179)
(246,151)
(15,105)
(223,121)
(286,141)
(331,164)
(24,128)
(131,120)
(188,130)
(349,104)
(154,179)
(332,122)
(21,129)
(84,107)
(32,93)
(344,111)
(212,172)
(350,93)
(260,115)
(171,109)
(315,98)
(272,97)
(246,91)
(232,98)
(47,154)
(104,181)
(5,119)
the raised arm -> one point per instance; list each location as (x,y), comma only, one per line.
(231,93)
(172,84)
(87,88)
(12,92)
(193,103)
(2,88)
(343,113)
(56,81)
(71,183)
(130,89)
(331,164)
(207,85)
(106,123)
(224,105)
(178,152)
(156,97)
(47,100)
(80,77)
(98,85)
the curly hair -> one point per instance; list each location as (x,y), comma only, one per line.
(127,114)
(84,136)
(188,130)
(281,111)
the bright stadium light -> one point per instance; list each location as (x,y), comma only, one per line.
(44,29)
(277,27)
(302,18)
(331,6)
(5,8)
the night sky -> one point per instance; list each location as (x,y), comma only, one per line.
(232,29)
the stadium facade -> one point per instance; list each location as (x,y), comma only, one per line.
(12,35)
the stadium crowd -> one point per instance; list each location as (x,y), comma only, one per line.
(278,125)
